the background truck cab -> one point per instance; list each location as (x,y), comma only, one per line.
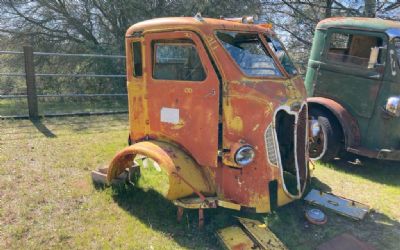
(353,79)
(221,109)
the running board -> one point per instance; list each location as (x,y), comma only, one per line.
(249,234)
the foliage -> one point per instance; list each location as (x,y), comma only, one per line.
(296,20)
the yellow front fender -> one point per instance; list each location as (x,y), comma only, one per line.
(186,177)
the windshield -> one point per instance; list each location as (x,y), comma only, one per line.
(247,51)
(282,55)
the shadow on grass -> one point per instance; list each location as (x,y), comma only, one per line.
(290,225)
(381,171)
(287,222)
(161,215)
(42,128)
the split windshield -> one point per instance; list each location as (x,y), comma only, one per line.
(248,52)
(282,55)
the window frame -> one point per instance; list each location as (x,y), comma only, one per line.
(328,37)
(133,73)
(397,51)
(265,47)
(174,41)
(286,51)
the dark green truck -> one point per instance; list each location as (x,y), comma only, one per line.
(353,84)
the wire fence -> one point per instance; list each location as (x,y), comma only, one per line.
(30,94)
(35,84)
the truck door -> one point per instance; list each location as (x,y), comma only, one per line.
(345,74)
(183,93)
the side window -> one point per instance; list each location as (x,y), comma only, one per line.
(397,47)
(177,60)
(352,49)
(281,54)
(248,52)
(137,59)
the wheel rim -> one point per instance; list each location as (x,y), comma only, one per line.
(318,142)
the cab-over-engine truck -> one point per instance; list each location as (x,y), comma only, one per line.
(353,80)
(219,106)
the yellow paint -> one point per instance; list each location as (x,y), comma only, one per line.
(188,90)
(261,203)
(283,198)
(179,125)
(235,238)
(256,127)
(180,168)
(138,104)
(212,43)
(230,205)
(236,124)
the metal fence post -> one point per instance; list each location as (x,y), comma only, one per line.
(30,83)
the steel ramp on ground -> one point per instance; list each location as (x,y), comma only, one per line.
(249,234)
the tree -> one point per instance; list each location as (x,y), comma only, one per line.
(296,20)
(99,25)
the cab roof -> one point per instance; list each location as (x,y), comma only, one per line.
(363,23)
(204,25)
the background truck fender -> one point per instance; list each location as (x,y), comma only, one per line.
(347,122)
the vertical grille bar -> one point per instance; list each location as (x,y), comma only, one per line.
(301,144)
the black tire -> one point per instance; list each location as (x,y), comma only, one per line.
(331,132)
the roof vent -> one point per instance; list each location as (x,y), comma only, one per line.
(244,19)
(198,17)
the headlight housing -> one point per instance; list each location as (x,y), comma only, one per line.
(245,155)
(393,106)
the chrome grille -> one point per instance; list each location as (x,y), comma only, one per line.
(270,145)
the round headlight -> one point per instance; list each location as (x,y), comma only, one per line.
(393,105)
(244,155)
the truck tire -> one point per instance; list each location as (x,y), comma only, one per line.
(325,146)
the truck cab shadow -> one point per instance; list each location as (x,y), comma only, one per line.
(161,215)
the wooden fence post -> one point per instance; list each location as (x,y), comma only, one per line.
(30,83)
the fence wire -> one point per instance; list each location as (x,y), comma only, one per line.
(65,84)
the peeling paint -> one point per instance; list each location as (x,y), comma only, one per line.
(186,143)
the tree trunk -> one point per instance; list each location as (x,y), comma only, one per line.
(369,8)
(328,8)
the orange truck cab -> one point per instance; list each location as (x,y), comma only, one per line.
(219,106)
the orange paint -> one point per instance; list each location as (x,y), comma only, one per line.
(187,114)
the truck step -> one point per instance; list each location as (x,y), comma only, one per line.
(249,234)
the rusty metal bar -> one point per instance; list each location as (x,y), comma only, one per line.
(61,95)
(5,52)
(13,74)
(77,75)
(76,55)
(67,114)
(30,83)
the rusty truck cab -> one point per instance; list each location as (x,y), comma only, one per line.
(220,107)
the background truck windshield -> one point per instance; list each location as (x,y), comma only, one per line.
(248,52)
(353,49)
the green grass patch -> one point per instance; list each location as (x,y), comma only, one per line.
(56,105)
(48,199)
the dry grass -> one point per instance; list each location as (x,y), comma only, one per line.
(47,199)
